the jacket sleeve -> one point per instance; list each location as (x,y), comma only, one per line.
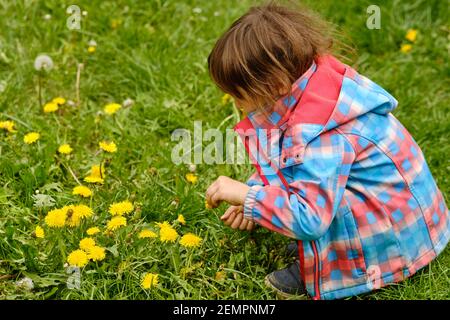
(254,180)
(317,189)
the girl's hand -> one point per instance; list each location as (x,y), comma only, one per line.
(228,190)
(234,218)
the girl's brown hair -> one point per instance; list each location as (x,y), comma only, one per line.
(263,52)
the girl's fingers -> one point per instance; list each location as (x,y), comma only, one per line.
(250,225)
(228,212)
(230,218)
(215,199)
(237,221)
(243,224)
(210,192)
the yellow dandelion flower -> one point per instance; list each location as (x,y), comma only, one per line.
(83,210)
(115,223)
(192,178)
(93,179)
(226,98)
(411,35)
(59,101)
(181,219)
(50,107)
(91,49)
(405,48)
(163,224)
(147,234)
(7,125)
(96,176)
(108,146)
(31,137)
(168,234)
(92,231)
(95,171)
(72,217)
(82,191)
(150,280)
(75,213)
(190,240)
(39,232)
(86,244)
(55,218)
(65,149)
(96,253)
(77,258)
(112,108)
(207,206)
(121,208)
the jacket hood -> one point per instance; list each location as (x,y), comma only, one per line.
(326,96)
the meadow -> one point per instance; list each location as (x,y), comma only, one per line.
(119,85)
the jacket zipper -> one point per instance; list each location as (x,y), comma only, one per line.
(316,255)
(316,272)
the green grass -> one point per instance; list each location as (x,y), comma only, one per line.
(157,56)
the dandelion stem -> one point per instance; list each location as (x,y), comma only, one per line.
(57,121)
(77,85)
(71,172)
(118,124)
(40,90)
(100,166)
(7,276)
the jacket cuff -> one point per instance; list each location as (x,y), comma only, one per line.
(250,201)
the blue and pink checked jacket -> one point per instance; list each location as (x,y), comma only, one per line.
(339,173)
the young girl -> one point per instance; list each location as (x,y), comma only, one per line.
(335,169)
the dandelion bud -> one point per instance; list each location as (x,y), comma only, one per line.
(43,61)
(192,167)
(47,17)
(70,103)
(84,13)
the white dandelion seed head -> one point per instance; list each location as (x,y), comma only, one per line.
(47,17)
(84,13)
(197,10)
(43,61)
(36,191)
(192,167)
(70,103)
(92,43)
(25,283)
(128,102)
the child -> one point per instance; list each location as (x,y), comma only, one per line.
(335,169)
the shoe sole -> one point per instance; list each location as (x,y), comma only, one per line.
(283,295)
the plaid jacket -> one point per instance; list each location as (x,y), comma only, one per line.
(339,173)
